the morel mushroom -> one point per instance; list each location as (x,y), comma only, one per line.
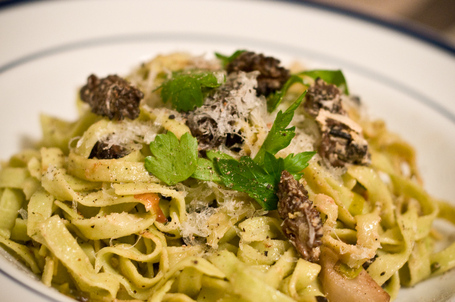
(342,141)
(205,127)
(301,221)
(218,121)
(323,96)
(272,76)
(102,150)
(112,97)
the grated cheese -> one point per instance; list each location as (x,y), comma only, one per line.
(127,132)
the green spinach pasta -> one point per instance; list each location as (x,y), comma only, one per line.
(222,179)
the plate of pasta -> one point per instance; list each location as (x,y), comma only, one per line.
(178,157)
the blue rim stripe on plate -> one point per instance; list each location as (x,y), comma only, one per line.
(10,3)
(432,38)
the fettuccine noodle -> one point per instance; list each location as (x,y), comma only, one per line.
(109,230)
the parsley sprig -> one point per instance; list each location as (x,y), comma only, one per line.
(186,89)
(279,136)
(206,169)
(260,181)
(259,177)
(172,161)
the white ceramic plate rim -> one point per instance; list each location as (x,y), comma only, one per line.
(443,108)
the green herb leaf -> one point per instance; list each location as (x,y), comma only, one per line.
(225,60)
(217,154)
(247,176)
(258,178)
(172,161)
(294,164)
(335,77)
(279,136)
(205,167)
(206,171)
(274,166)
(275,98)
(260,181)
(185,90)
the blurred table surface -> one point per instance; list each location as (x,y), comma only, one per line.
(434,18)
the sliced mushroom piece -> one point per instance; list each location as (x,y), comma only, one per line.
(342,141)
(339,288)
(323,96)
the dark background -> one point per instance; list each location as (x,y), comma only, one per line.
(432,17)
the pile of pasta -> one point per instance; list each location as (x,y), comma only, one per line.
(90,227)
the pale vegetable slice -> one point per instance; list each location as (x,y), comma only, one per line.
(338,288)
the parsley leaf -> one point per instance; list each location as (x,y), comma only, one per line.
(206,171)
(279,136)
(273,166)
(185,90)
(172,161)
(247,176)
(294,164)
(335,77)
(217,154)
(225,60)
(260,181)
(259,178)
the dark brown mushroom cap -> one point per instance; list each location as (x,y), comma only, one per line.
(213,124)
(272,76)
(102,150)
(323,96)
(301,221)
(340,145)
(112,97)
(341,138)
(206,130)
